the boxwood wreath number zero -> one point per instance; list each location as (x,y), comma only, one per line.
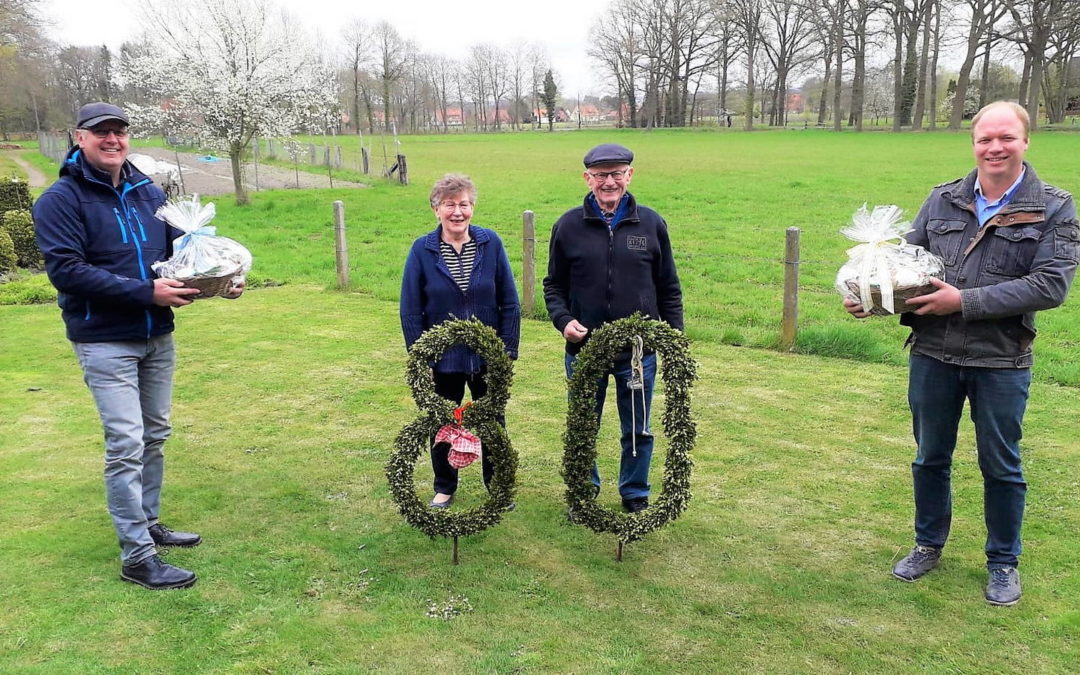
(481,418)
(678,371)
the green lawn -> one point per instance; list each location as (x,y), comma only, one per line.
(728,197)
(287,404)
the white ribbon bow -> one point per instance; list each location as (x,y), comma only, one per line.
(879,230)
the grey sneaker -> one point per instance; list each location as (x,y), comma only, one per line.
(1003,589)
(921,560)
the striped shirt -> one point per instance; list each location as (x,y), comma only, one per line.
(460,264)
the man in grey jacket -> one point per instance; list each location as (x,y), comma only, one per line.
(1009,244)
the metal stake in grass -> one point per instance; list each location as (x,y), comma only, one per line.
(456,561)
(618,553)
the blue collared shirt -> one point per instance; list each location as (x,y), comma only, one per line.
(612,219)
(984,209)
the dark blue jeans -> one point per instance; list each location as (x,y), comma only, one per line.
(636,439)
(998,398)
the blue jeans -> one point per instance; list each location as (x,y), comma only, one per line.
(132,387)
(998,398)
(637,439)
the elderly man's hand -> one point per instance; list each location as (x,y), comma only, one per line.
(945,300)
(574,331)
(173,293)
(854,308)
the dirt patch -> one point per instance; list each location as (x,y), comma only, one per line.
(213,175)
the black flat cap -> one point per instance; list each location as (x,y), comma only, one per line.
(93,114)
(608,153)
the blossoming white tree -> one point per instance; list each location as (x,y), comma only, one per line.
(227,71)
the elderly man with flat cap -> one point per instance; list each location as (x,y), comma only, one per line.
(609,258)
(98,233)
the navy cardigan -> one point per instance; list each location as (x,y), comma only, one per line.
(429,296)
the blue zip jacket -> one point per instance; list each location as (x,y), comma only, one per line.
(98,243)
(429,296)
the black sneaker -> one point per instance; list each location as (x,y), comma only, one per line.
(163,536)
(156,575)
(1003,588)
(921,560)
(635,504)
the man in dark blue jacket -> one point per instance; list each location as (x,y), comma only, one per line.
(97,231)
(608,259)
(1009,244)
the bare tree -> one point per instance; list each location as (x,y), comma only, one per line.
(358,53)
(787,42)
(1032,24)
(477,72)
(727,48)
(984,15)
(391,52)
(747,17)
(1063,51)
(615,42)
(932,9)
(498,79)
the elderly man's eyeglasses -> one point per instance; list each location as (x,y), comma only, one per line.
(602,176)
(452,206)
(104,133)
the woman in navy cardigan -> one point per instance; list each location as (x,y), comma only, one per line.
(459,270)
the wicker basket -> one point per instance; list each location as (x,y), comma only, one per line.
(211,286)
(899,297)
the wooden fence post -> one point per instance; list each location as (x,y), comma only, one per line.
(403,170)
(341,248)
(528,264)
(790,327)
(364,159)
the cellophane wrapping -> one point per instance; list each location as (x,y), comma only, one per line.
(200,254)
(884,270)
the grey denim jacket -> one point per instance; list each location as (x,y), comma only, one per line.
(1021,261)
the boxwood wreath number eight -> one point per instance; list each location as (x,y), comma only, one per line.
(678,371)
(481,418)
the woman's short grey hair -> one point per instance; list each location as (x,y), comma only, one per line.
(452,184)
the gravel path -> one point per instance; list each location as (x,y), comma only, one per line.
(33,175)
(215,177)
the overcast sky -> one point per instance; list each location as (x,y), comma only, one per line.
(438,27)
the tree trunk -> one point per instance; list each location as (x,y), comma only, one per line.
(984,79)
(823,102)
(898,63)
(933,68)
(911,64)
(858,78)
(839,75)
(1025,80)
(924,58)
(237,160)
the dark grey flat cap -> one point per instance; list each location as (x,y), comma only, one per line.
(93,114)
(608,153)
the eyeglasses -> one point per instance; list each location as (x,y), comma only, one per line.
(602,176)
(104,133)
(452,206)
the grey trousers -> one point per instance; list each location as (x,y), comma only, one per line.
(132,386)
